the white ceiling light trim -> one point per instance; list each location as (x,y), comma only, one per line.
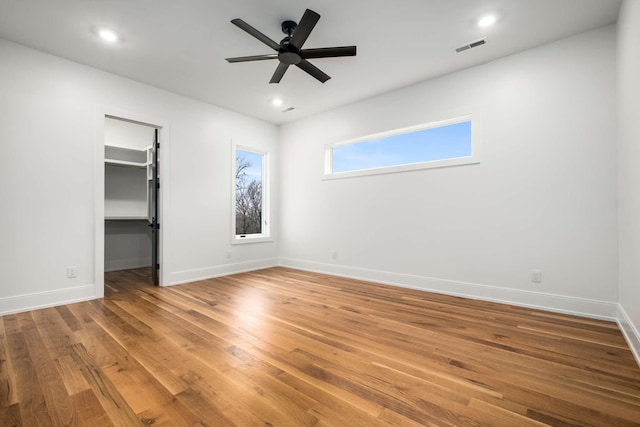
(487,21)
(108,35)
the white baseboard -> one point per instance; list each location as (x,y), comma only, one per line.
(126,264)
(630,332)
(37,300)
(557,303)
(179,277)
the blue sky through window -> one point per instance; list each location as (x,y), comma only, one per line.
(255,170)
(444,142)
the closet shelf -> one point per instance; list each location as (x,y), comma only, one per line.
(125,163)
(126,157)
(125,218)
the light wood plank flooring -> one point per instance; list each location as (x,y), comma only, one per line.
(281,347)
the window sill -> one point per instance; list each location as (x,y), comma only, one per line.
(460,161)
(256,238)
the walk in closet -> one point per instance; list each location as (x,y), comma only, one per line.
(130,205)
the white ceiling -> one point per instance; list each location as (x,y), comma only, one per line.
(181,45)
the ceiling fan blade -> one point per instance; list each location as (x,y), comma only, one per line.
(304,28)
(255,33)
(314,71)
(252,58)
(277,76)
(328,52)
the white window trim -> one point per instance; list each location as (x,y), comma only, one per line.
(265,236)
(474,158)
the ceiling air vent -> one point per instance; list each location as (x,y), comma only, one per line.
(471,45)
(288,109)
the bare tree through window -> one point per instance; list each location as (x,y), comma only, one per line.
(248,193)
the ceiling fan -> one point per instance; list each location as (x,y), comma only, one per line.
(290,50)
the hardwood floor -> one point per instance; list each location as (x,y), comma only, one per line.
(281,347)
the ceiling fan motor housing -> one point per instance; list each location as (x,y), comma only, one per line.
(288,54)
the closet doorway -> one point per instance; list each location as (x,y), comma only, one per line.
(131,197)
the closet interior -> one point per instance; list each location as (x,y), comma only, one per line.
(131,202)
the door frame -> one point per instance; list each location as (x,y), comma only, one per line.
(163,195)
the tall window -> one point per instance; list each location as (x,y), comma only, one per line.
(444,143)
(250,195)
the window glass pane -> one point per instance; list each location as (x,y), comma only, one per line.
(439,143)
(249,192)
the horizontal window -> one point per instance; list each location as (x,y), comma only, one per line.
(444,143)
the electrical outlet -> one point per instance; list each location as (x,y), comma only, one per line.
(334,254)
(228,254)
(536,276)
(72,272)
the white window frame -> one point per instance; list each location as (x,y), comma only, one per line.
(474,158)
(265,236)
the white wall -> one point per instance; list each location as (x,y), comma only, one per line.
(543,196)
(48,138)
(629,170)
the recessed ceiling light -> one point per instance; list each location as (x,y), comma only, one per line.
(108,35)
(487,21)
(277,102)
